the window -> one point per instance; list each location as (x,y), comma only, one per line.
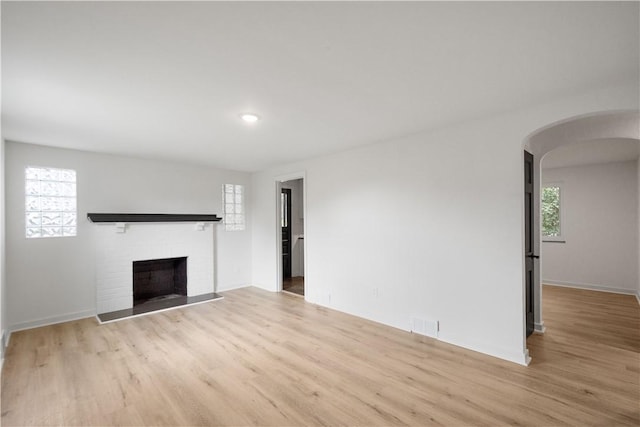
(50,202)
(233,202)
(551,213)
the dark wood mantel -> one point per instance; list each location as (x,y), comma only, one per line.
(144,217)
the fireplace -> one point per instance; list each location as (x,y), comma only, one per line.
(119,246)
(159,279)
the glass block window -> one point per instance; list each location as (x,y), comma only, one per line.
(233,205)
(50,202)
(551,215)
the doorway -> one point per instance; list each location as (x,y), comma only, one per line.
(603,125)
(292,236)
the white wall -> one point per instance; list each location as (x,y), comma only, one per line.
(430,226)
(600,227)
(50,280)
(297,226)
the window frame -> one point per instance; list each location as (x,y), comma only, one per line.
(63,230)
(561,237)
(234,225)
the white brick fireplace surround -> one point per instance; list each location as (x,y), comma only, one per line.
(117,250)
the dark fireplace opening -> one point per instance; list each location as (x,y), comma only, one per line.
(158,279)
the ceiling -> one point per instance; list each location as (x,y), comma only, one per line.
(168,80)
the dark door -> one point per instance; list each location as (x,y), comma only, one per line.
(528,240)
(285,219)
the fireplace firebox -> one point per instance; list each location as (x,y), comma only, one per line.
(158,279)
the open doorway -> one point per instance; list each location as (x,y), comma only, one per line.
(602,129)
(292,236)
(589,219)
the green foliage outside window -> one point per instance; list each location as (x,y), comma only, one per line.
(551,211)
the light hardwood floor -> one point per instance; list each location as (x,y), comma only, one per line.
(294,285)
(257,358)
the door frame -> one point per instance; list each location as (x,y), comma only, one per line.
(278,180)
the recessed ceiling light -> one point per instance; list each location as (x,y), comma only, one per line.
(249,117)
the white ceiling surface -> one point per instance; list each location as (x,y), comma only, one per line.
(593,152)
(168,80)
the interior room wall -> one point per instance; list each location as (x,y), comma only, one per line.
(297,226)
(52,279)
(600,227)
(430,226)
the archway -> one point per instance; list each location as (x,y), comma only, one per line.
(596,126)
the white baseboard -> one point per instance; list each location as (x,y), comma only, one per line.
(539,328)
(6,336)
(266,288)
(232,287)
(30,324)
(638,296)
(521,358)
(4,342)
(589,287)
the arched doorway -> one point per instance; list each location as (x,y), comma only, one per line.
(599,126)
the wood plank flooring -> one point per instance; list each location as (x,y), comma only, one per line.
(294,285)
(258,358)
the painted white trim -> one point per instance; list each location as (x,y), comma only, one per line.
(279,179)
(293,294)
(53,320)
(263,287)
(539,328)
(156,311)
(638,296)
(279,278)
(588,286)
(4,342)
(234,287)
(519,358)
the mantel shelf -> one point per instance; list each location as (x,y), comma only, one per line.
(144,217)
